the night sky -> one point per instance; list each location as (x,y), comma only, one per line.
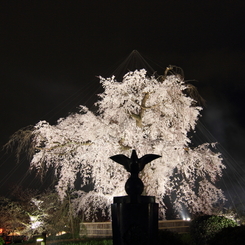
(53,51)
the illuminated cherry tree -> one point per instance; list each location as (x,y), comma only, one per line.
(151,114)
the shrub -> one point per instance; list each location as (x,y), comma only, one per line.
(203,228)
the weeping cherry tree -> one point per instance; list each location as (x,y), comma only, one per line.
(151,114)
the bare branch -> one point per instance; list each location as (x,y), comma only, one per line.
(139,117)
(124,147)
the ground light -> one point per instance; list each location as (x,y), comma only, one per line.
(187,219)
(184,214)
(40,239)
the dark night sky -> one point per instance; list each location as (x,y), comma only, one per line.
(52,51)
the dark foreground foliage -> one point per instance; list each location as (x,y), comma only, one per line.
(67,239)
(229,236)
(92,242)
(204,228)
(208,230)
(166,237)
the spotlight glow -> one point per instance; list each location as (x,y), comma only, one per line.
(184,215)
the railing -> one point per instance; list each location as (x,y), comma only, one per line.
(96,229)
(180,226)
(104,229)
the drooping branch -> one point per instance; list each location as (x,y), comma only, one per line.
(172,70)
(23,141)
(191,91)
(64,145)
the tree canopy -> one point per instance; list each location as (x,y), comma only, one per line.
(151,114)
